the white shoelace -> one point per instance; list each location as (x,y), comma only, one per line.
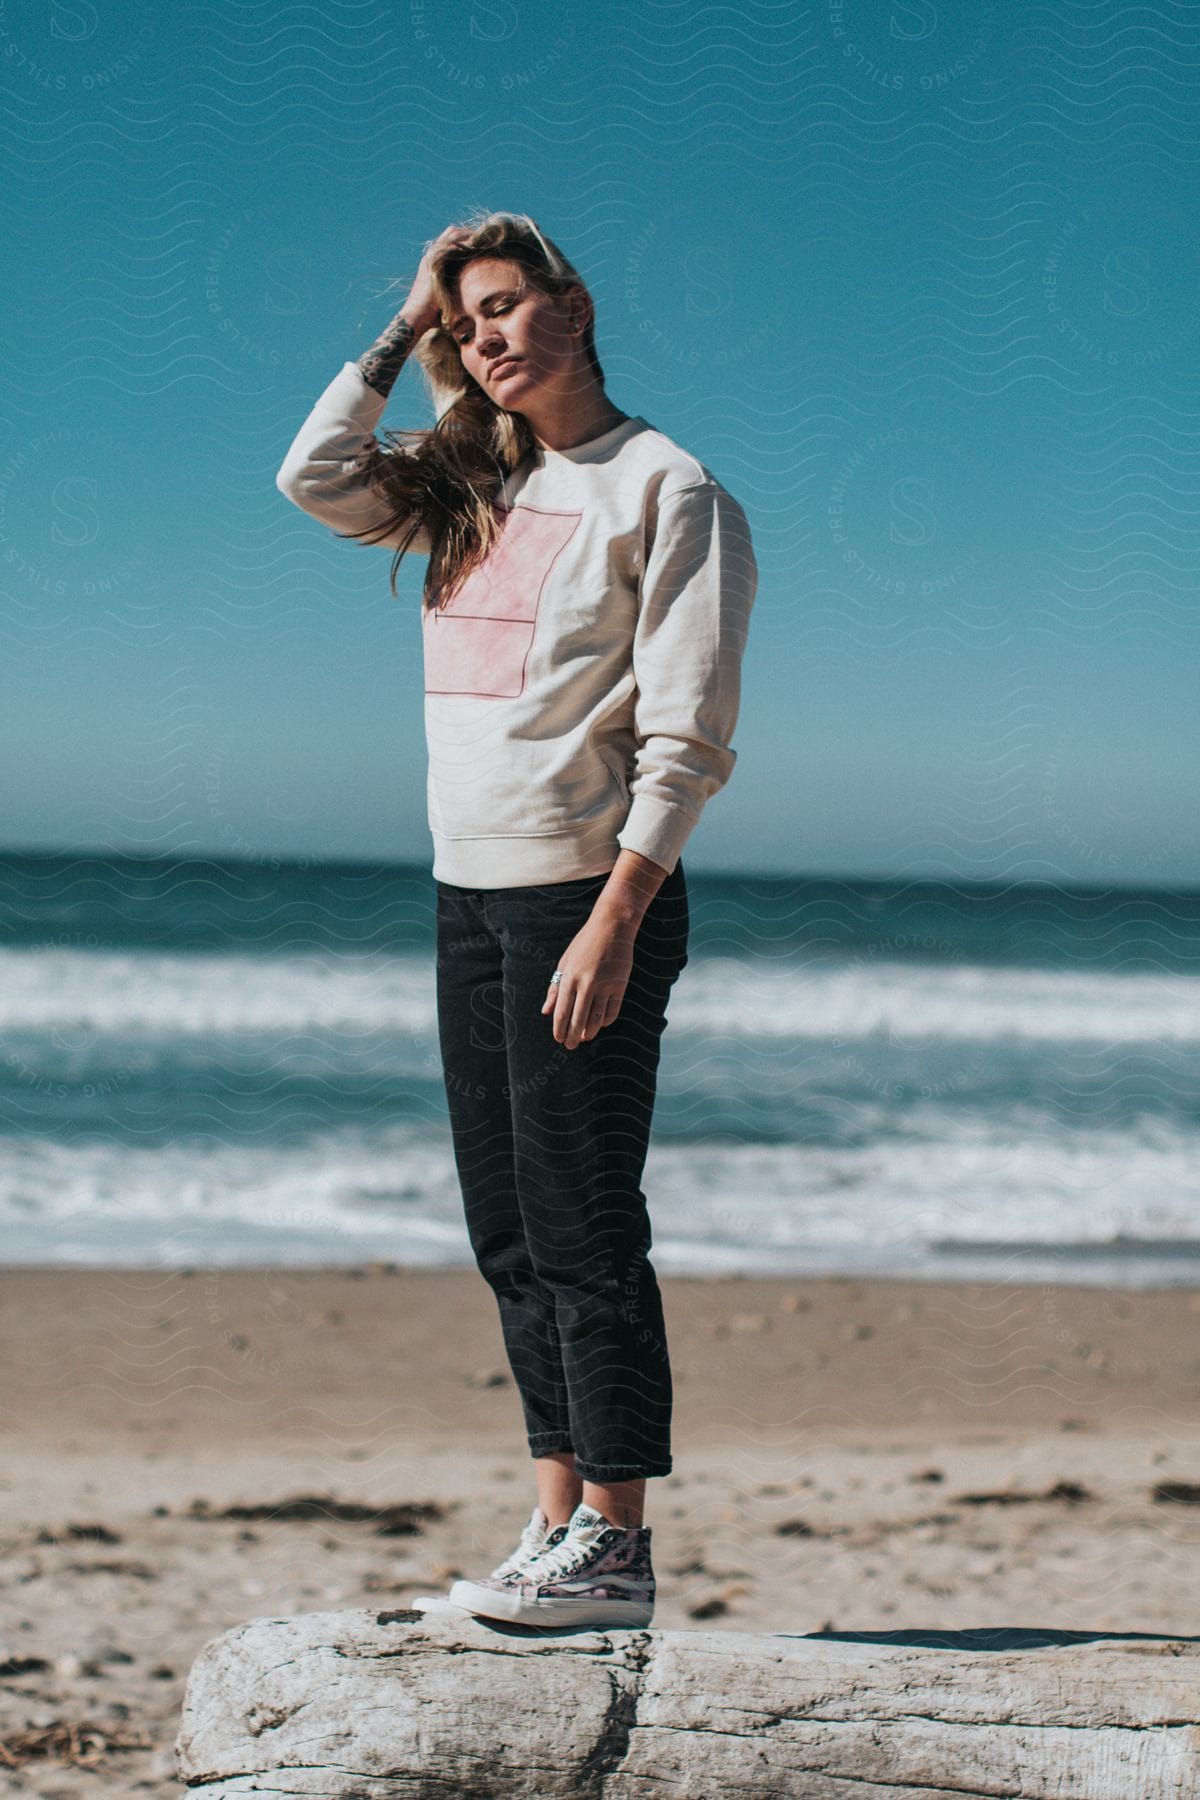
(563,1558)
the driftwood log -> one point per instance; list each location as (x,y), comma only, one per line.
(367,1704)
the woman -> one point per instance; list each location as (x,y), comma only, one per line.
(585,607)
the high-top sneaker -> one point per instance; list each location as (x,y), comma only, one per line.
(595,1574)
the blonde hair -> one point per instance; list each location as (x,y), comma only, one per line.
(448,477)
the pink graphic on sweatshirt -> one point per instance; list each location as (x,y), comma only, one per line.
(479,643)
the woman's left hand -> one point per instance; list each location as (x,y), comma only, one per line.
(596,966)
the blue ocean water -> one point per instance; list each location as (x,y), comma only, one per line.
(236,1063)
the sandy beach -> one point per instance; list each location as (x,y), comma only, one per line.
(185,1449)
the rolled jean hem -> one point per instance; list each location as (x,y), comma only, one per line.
(609,1472)
(605,1472)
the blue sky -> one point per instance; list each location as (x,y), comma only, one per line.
(918,283)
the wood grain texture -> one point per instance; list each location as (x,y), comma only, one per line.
(365,1705)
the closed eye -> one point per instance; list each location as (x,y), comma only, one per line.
(507,307)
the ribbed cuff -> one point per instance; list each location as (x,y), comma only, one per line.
(656,830)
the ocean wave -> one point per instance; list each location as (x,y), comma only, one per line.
(81,993)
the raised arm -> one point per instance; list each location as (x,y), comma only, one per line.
(322,472)
(381,364)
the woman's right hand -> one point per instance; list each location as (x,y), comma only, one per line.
(421,307)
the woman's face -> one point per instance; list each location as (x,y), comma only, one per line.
(514,340)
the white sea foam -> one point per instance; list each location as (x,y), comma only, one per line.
(777,1147)
(393,1193)
(78,993)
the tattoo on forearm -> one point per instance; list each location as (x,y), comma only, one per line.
(382,363)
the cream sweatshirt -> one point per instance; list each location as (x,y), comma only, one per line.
(582,687)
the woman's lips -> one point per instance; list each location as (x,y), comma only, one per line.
(506,368)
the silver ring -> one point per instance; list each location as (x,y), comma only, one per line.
(556,978)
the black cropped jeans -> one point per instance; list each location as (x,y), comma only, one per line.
(550,1145)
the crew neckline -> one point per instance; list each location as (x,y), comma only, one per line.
(590,445)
